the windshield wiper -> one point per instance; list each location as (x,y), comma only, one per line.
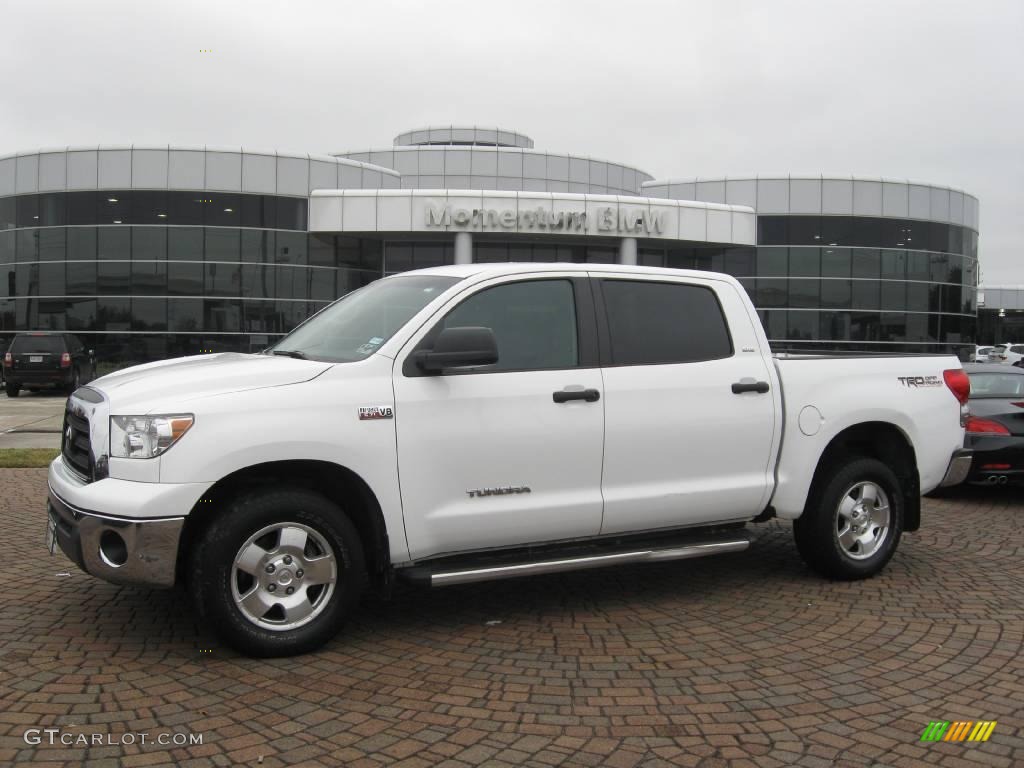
(290,353)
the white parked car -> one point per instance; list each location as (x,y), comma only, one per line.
(481,422)
(981,354)
(1010,354)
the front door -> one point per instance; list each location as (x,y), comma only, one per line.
(486,457)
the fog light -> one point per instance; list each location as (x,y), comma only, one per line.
(113,550)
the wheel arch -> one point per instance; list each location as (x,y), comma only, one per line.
(338,483)
(886,442)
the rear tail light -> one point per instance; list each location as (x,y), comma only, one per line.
(65,360)
(8,359)
(959,384)
(979,426)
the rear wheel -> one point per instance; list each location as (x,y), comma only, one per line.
(75,382)
(277,572)
(852,523)
(12,390)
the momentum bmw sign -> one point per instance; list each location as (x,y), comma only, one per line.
(606,219)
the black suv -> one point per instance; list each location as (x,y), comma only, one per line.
(37,360)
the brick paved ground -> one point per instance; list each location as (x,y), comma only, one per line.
(743,660)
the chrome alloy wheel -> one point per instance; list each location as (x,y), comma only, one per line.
(283,576)
(862,520)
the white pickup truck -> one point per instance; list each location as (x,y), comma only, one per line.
(488,421)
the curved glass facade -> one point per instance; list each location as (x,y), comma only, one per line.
(95,264)
(847,263)
(149,252)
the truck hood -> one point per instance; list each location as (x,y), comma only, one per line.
(187,378)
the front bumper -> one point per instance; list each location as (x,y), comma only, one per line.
(115,549)
(123,531)
(958,469)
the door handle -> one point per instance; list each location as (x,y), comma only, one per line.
(565,395)
(739,387)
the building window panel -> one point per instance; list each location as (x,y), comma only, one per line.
(81,207)
(865,294)
(893,294)
(185,279)
(257,281)
(917,297)
(805,293)
(81,315)
(8,213)
(185,314)
(52,244)
(223,280)
(835,294)
(804,262)
(149,314)
(28,210)
(149,243)
(27,245)
(803,326)
(150,207)
(835,262)
(114,243)
(291,248)
(772,292)
(185,244)
(52,210)
(771,262)
(866,262)
(114,314)
(149,278)
(222,244)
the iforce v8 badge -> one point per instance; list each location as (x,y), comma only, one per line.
(367,412)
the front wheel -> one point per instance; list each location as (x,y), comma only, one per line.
(852,523)
(277,572)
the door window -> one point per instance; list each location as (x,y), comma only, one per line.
(534,322)
(653,323)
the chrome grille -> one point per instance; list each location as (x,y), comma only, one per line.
(75,445)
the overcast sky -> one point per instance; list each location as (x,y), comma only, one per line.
(930,90)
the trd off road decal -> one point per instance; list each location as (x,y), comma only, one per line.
(920,381)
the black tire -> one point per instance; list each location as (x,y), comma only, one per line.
(74,383)
(213,579)
(817,530)
(12,390)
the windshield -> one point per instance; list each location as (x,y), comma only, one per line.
(997,385)
(355,327)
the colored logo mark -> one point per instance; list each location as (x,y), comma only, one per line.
(959,730)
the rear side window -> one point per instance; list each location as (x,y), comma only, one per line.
(656,323)
(26,344)
(1018,349)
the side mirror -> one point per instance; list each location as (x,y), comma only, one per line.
(459,348)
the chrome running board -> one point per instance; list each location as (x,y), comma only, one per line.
(449,577)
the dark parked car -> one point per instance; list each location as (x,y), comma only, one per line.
(37,360)
(995,428)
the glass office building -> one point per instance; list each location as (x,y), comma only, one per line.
(149,252)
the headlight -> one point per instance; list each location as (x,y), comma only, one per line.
(143,437)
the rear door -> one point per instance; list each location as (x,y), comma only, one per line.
(689,415)
(491,456)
